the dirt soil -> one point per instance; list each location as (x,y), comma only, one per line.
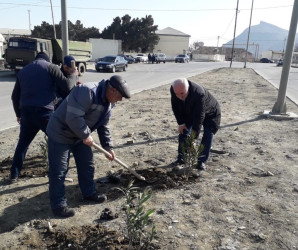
(246,199)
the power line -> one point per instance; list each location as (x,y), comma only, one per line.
(153,10)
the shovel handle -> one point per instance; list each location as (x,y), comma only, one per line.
(99,148)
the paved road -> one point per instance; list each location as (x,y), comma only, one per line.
(145,76)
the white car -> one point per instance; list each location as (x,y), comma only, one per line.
(141,57)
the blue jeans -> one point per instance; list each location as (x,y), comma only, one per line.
(33,119)
(58,166)
(206,142)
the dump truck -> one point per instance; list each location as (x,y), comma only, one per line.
(22,50)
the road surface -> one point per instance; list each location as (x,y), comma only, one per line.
(142,76)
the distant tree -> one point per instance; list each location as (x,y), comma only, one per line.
(136,34)
(45,30)
(113,31)
(76,32)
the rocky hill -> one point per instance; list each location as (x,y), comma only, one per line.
(268,36)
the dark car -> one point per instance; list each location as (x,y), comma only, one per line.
(182,58)
(280,62)
(111,64)
(266,60)
(130,59)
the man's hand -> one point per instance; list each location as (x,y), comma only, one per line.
(88,141)
(19,120)
(181,128)
(112,155)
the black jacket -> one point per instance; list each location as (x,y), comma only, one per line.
(199,109)
(38,84)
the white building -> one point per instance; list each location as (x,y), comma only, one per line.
(2,40)
(104,47)
(172,42)
(7,33)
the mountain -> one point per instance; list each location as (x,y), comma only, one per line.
(268,36)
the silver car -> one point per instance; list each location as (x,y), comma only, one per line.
(182,58)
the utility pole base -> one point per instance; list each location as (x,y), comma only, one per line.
(280,117)
(279,108)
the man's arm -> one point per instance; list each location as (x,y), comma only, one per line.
(104,133)
(15,97)
(198,115)
(175,107)
(78,104)
(63,84)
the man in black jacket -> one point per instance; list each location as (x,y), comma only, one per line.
(33,98)
(194,107)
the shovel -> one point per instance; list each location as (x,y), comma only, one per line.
(100,149)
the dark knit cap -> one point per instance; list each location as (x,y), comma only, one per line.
(43,55)
(68,59)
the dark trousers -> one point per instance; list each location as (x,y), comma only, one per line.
(33,119)
(58,167)
(206,142)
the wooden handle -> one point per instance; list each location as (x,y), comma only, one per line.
(120,162)
(73,64)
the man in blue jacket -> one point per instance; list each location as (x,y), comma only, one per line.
(33,98)
(87,108)
(194,107)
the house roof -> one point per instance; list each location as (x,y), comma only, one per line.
(1,38)
(171,32)
(14,32)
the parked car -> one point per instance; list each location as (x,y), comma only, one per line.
(141,57)
(111,64)
(130,59)
(98,59)
(182,58)
(280,62)
(266,60)
(159,57)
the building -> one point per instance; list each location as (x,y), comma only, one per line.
(172,42)
(2,40)
(104,47)
(7,33)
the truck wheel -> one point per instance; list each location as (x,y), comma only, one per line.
(81,69)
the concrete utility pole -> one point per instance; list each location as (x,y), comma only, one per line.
(29,20)
(234,34)
(252,6)
(64,28)
(280,105)
(53,20)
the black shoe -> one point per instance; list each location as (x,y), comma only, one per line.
(96,197)
(201,166)
(64,212)
(178,162)
(13,180)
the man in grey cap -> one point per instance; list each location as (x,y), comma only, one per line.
(87,108)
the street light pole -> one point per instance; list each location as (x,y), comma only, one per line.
(64,22)
(29,20)
(252,5)
(280,105)
(53,20)
(232,54)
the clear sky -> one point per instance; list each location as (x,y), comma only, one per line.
(208,21)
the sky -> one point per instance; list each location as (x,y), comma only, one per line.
(209,21)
